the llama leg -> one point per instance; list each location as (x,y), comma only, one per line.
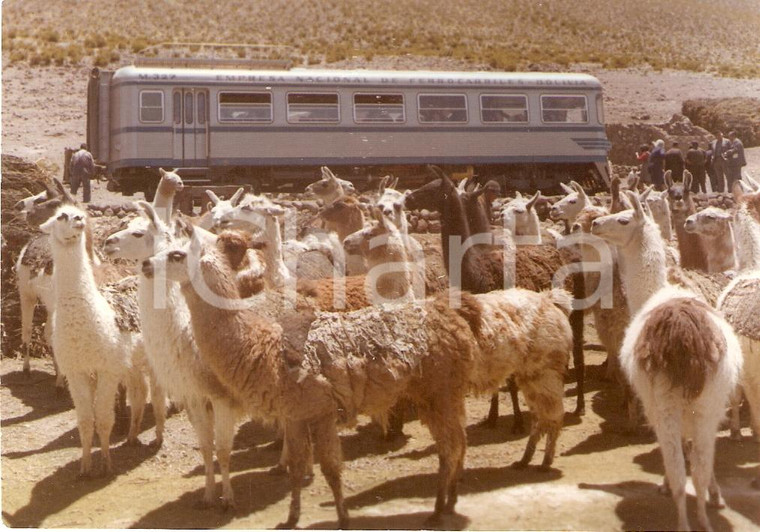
(327,447)
(518,426)
(80,387)
(544,397)
(202,422)
(60,382)
(28,302)
(296,440)
(137,393)
(158,401)
(668,430)
(735,423)
(576,324)
(224,430)
(105,392)
(702,474)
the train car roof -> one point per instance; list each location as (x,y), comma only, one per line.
(370,78)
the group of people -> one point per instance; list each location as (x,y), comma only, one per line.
(721,161)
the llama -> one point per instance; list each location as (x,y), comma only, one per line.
(169,185)
(680,356)
(218,208)
(571,205)
(173,354)
(330,187)
(482,267)
(660,208)
(713,225)
(91,339)
(298,369)
(690,246)
(522,217)
(344,216)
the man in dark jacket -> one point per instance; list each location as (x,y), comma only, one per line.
(674,162)
(734,160)
(719,146)
(695,163)
(655,164)
(82,169)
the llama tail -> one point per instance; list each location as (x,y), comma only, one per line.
(561,299)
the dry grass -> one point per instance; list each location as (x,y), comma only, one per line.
(721,36)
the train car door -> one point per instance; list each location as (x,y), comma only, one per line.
(191,126)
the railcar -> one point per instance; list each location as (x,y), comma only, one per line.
(273,129)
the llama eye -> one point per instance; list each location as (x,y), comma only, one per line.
(39,200)
(176,256)
(572,201)
(63,217)
(246,208)
(624,221)
(138,234)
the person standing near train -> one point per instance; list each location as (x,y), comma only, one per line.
(82,169)
(734,160)
(656,164)
(719,146)
(674,162)
(695,163)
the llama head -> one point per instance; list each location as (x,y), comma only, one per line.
(42,206)
(586,218)
(679,193)
(142,237)
(571,205)
(391,202)
(220,207)
(747,193)
(66,226)
(170,183)
(380,241)
(330,187)
(658,205)
(710,222)
(249,215)
(619,229)
(340,210)
(520,212)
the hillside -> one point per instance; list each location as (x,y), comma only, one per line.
(721,36)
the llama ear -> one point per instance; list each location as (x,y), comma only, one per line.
(739,189)
(749,180)
(532,202)
(328,174)
(518,195)
(687,179)
(51,190)
(638,210)
(566,188)
(669,178)
(236,196)
(436,172)
(149,211)
(67,198)
(634,185)
(579,190)
(462,185)
(47,227)
(646,193)
(383,184)
(162,172)
(394,183)
(213,197)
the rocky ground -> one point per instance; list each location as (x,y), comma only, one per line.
(603,479)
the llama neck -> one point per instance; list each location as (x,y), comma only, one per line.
(164,201)
(353,223)
(73,273)
(532,228)
(747,234)
(277,273)
(453,223)
(643,265)
(391,259)
(664,223)
(720,251)
(690,245)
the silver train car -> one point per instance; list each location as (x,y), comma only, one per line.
(274,129)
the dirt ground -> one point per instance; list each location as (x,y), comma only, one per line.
(603,478)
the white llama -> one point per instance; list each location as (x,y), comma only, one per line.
(96,350)
(173,354)
(681,357)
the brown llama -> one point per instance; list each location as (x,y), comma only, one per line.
(690,245)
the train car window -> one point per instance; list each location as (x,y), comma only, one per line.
(503,108)
(442,108)
(567,109)
(311,107)
(177,107)
(201,108)
(151,106)
(385,108)
(245,107)
(188,108)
